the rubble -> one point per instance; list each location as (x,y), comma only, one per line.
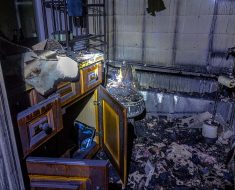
(45,73)
(197,120)
(224,137)
(176,159)
(149,171)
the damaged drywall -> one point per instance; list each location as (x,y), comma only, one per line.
(195,33)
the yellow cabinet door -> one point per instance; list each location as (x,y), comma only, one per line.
(113,124)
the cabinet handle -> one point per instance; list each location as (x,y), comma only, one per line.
(46,128)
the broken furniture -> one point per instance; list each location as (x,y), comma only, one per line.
(130,98)
(47,136)
(123,88)
(90,76)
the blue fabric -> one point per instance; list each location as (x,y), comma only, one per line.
(75,7)
(86,135)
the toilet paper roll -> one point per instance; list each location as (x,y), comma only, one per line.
(209,130)
(230,83)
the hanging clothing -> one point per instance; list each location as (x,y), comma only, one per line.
(155,6)
(75,8)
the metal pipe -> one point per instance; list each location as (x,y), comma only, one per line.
(53,16)
(60,18)
(114,31)
(106,33)
(44,18)
(66,24)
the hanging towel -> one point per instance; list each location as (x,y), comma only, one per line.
(75,7)
(155,6)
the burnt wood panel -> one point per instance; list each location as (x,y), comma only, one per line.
(114,127)
(91,76)
(68,91)
(94,171)
(39,182)
(39,123)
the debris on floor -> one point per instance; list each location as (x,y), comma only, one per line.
(196,121)
(169,157)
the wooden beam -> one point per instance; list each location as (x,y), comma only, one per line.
(10,169)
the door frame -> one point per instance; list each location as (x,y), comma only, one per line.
(11,176)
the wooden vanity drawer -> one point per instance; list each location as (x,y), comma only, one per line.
(91,76)
(67,91)
(60,173)
(39,123)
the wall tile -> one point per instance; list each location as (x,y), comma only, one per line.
(110,26)
(119,54)
(120,39)
(135,7)
(164,24)
(132,23)
(221,24)
(160,41)
(221,42)
(207,7)
(132,54)
(132,39)
(149,23)
(224,7)
(196,7)
(119,23)
(192,42)
(191,57)
(120,7)
(156,57)
(111,35)
(231,25)
(195,24)
(232,9)
(150,55)
(164,57)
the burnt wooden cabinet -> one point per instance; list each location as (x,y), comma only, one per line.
(68,91)
(43,121)
(90,77)
(60,173)
(39,123)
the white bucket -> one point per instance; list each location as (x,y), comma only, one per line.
(209,130)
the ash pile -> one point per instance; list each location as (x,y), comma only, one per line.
(170,155)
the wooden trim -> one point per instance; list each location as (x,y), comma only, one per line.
(95,170)
(121,164)
(10,170)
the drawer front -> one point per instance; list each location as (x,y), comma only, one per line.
(62,173)
(68,92)
(39,123)
(39,182)
(91,77)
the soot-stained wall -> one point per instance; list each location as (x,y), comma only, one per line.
(187,33)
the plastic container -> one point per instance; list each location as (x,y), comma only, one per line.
(210,131)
